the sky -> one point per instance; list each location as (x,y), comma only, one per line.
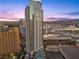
(51,8)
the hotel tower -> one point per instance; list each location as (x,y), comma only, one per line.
(34,25)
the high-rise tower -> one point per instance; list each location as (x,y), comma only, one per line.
(34,19)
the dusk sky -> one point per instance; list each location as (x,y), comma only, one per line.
(52,8)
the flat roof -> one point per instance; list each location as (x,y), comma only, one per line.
(70,52)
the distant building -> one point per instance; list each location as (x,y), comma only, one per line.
(22,22)
(71,28)
(9,41)
(22,25)
(23,31)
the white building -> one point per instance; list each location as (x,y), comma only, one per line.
(34,19)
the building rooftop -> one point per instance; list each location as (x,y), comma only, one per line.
(70,52)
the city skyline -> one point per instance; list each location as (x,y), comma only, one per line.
(52,8)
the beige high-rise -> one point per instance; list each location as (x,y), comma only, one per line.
(9,41)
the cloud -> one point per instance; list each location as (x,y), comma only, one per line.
(72,13)
(62,16)
(7,14)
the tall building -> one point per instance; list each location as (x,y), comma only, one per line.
(34,25)
(9,41)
